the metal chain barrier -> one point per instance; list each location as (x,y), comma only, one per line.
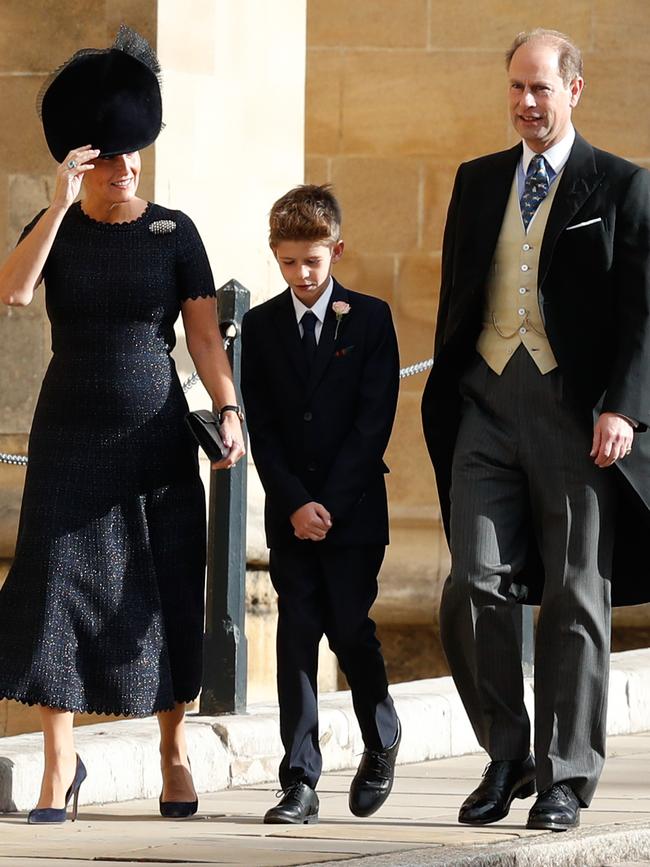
(19,460)
(411,370)
(418,367)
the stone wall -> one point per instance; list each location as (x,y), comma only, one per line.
(397,95)
(226,65)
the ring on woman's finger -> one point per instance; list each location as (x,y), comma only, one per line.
(72,164)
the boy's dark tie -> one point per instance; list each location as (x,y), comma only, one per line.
(535,188)
(308,323)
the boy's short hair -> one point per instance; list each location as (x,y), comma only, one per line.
(306,213)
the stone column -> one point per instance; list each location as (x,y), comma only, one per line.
(234,100)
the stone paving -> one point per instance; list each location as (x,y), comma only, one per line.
(416,826)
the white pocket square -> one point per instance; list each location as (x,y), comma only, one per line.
(586,223)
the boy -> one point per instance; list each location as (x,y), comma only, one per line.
(320,376)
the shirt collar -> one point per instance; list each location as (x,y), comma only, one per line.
(555,156)
(319,309)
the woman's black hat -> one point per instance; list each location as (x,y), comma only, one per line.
(108,98)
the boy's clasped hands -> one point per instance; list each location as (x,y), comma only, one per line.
(311,521)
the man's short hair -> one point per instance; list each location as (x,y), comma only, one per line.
(306,213)
(569,55)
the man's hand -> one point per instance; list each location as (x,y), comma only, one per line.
(613,437)
(311,521)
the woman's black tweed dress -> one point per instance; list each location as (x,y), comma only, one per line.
(102,610)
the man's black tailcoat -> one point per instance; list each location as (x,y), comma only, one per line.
(594,294)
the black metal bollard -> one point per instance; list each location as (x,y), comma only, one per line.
(224,649)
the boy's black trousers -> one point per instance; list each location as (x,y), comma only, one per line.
(327,590)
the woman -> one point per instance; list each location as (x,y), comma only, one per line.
(103,608)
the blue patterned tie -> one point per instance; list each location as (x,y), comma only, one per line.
(535,188)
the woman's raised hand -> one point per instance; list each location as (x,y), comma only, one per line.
(70,173)
(22,271)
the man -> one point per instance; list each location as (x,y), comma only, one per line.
(534,415)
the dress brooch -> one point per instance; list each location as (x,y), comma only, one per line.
(162,227)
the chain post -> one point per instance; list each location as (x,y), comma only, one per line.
(225,650)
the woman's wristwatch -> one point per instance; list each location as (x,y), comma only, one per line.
(231,408)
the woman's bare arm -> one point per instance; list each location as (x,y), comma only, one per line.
(205,345)
(22,271)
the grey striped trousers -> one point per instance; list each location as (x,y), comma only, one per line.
(521,462)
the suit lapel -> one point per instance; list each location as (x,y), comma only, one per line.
(579,179)
(289,334)
(473,226)
(490,206)
(326,342)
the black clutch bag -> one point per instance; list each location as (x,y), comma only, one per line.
(205,430)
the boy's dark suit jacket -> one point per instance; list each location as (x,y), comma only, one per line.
(594,294)
(322,436)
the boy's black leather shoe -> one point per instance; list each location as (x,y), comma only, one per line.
(373,780)
(298,806)
(502,781)
(556,809)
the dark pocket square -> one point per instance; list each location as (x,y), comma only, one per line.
(343,351)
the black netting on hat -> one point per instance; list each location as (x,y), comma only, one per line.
(137,46)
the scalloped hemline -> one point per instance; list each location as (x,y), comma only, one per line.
(210,293)
(77,707)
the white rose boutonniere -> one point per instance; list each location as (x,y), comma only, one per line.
(341,309)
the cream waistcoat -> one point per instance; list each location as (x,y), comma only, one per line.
(511,315)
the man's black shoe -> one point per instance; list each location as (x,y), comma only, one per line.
(556,809)
(502,781)
(298,806)
(373,780)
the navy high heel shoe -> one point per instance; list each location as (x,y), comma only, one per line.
(54,815)
(178,809)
